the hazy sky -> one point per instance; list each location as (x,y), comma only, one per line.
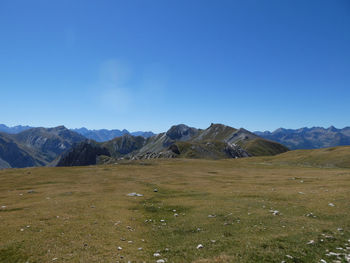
(149,64)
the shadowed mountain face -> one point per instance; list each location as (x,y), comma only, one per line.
(83,153)
(36,146)
(216,142)
(309,138)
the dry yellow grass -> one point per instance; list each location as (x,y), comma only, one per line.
(83,214)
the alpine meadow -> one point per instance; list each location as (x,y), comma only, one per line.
(175,131)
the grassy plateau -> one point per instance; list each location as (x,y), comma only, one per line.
(259,209)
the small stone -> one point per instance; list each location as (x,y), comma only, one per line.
(323,261)
(54,259)
(156,254)
(3,207)
(140,248)
(331,204)
(311,242)
(30,191)
(211,216)
(275,212)
(200,246)
(155,190)
(176,215)
(160,261)
(134,194)
(120,248)
(289,256)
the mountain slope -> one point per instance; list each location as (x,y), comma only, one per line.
(253,144)
(309,138)
(14,155)
(88,151)
(47,143)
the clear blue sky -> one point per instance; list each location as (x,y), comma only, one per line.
(149,64)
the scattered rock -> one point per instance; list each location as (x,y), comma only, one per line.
(311,215)
(311,242)
(156,254)
(155,190)
(289,256)
(160,261)
(211,216)
(120,248)
(331,204)
(30,192)
(176,215)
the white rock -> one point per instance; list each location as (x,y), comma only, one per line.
(160,261)
(311,242)
(120,248)
(289,256)
(323,261)
(200,246)
(275,212)
(176,215)
(331,204)
(156,254)
(134,194)
(140,248)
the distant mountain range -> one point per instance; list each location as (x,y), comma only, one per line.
(23,146)
(101,135)
(180,141)
(309,138)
